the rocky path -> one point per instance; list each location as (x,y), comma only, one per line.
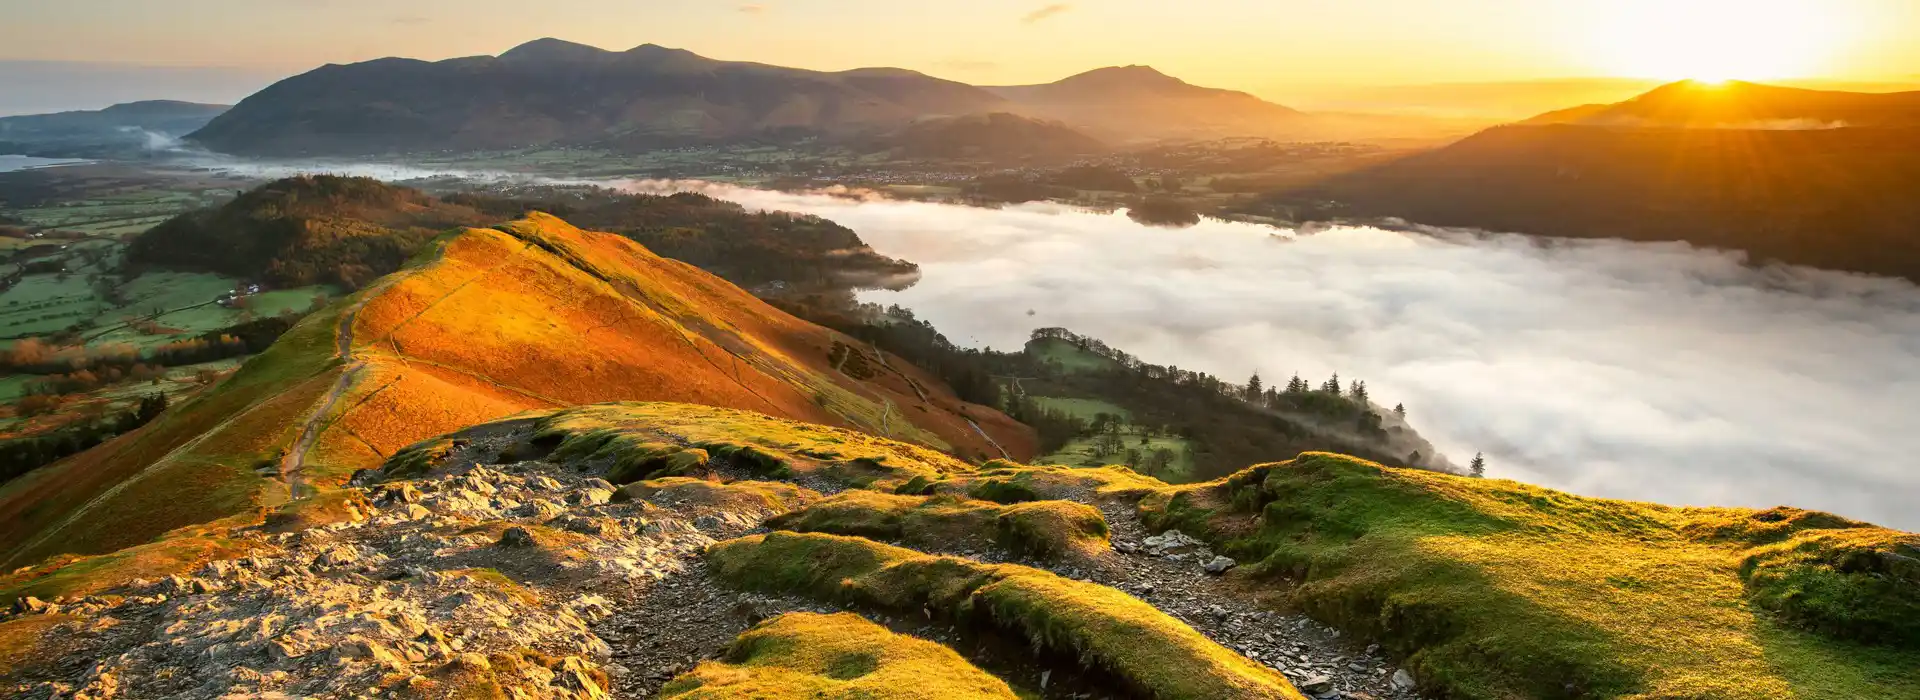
(1178,575)
(540,578)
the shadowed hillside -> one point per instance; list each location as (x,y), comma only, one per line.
(997,136)
(123,129)
(305,230)
(485,323)
(644,97)
(1831,198)
(1141,101)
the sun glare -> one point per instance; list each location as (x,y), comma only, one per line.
(1714,40)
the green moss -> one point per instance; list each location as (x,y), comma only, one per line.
(643,433)
(1002,491)
(806,655)
(1498,589)
(1041,528)
(769,496)
(1857,584)
(1106,629)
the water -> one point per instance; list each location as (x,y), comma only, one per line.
(1643,371)
(11,163)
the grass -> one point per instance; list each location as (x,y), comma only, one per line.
(1099,626)
(640,439)
(1495,589)
(1080,451)
(1085,409)
(807,655)
(1042,528)
(766,496)
(1068,356)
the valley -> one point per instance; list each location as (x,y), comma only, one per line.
(433,371)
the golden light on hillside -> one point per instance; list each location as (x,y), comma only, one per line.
(1714,40)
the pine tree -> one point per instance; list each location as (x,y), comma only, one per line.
(1297,385)
(1254,389)
(1359,392)
(1333,385)
(1400,410)
(1479,465)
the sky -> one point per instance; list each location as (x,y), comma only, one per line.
(1263,46)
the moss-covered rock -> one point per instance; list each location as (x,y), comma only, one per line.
(806,655)
(762,496)
(1041,528)
(1104,628)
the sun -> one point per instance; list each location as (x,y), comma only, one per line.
(1713,40)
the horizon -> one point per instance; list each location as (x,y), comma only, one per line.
(1313,53)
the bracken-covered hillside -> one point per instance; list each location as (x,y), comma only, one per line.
(485,323)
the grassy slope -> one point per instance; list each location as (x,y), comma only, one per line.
(1502,590)
(485,324)
(805,655)
(1102,627)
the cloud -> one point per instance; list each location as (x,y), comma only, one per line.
(1643,371)
(751,9)
(409,20)
(1653,372)
(1045,13)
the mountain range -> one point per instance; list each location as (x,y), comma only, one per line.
(122,128)
(552,92)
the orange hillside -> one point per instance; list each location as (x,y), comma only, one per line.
(491,322)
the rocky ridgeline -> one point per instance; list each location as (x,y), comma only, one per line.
(537,581)
(413,593)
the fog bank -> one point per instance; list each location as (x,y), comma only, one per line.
(1643,371)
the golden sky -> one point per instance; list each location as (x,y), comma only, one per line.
(1256,45)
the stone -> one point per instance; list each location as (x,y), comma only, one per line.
(1316,685)
(471,662)
(1220,565)
(516,537)
(29,605)
(1402,680)
(1219,612)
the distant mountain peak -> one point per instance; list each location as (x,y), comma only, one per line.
(1136,75)
(551,49)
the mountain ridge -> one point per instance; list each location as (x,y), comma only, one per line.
(414,355)
(651,95)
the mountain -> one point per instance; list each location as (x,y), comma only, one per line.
(1743,105)
(482,324)
(1834,198)
(997,136)
(132,126)
(1140,102)
(554,92)
(304,230)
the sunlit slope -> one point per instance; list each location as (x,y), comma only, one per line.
(1487,588)
(486,323)
(1497,589)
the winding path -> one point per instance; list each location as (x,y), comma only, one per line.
(295,461)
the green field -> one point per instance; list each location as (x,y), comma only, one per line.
(1084,408)
(1068,356)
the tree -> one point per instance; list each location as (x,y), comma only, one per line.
(1400,410)
(1296,385)
(1359,392)
(1479,465)
(1332,386)
(1254,389)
